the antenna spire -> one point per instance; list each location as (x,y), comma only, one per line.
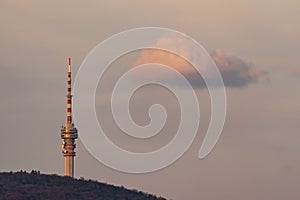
(69,95)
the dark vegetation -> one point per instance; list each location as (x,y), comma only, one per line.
(33,186)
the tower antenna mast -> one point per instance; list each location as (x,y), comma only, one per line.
(68,131)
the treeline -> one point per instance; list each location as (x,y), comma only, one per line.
(35,186)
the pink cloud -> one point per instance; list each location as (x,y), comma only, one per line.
(235,71)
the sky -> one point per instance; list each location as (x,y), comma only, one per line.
(255,44)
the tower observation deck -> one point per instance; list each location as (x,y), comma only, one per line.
(68,131)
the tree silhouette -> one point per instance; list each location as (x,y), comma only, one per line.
(35,186)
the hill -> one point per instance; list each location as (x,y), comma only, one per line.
(36,186)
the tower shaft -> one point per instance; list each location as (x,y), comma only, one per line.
(68,131)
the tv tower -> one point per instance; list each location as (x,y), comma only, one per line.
(69,132)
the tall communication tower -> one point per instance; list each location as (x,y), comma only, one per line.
(69,132)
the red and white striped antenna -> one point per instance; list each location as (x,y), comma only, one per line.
(69,95)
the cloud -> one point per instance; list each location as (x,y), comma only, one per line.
(235,71)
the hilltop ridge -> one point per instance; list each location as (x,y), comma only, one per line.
(35,186)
